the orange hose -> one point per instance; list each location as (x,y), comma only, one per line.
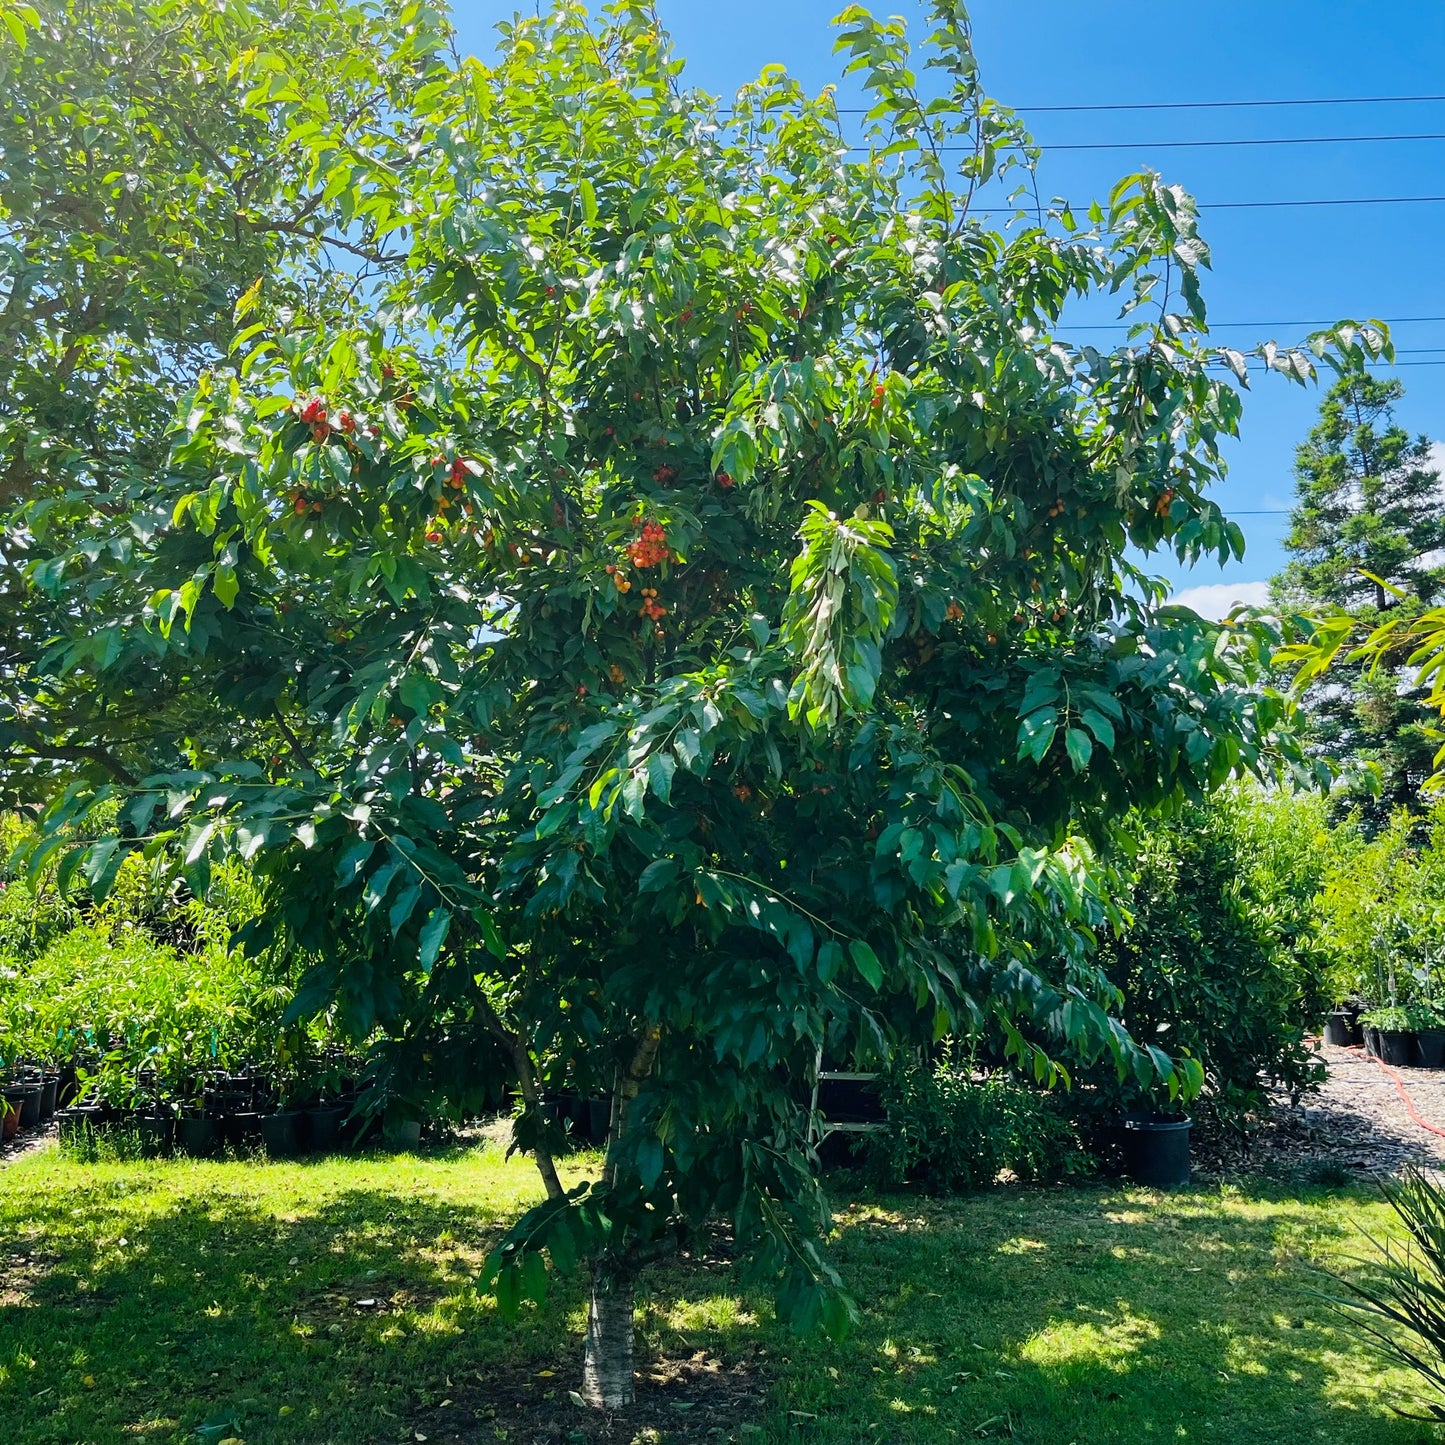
(1399,1084)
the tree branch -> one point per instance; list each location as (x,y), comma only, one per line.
(39,748)
(527,1085)
(626,1090)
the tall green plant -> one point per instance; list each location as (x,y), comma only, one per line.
(1400,1304)
(1364,535)
(1226,955)
(692,622)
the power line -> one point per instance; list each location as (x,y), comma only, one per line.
(1297,140)
(1331,201)
(1228,104)
(1188,104)
(1244,205)
(1253,325)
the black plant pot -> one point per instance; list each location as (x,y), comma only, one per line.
(1156,1150)
(1372,1040)
(49,1089)
(26,1097)
(1342,1029)
(1430,1047)
(196,1135)
(281,1133)
(599,1121)
(242,1129)
(1397,1047)
(323,1128)
(77,1122)
(157,1133)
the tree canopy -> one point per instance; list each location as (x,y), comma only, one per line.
(678,619)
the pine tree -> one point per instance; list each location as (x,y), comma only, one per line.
(1368,517)
(1368,502)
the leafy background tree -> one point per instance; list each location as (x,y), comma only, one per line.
(680,620)
(1225,955)
(140,201)
(1367,533)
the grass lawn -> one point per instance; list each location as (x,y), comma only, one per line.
(145,1301)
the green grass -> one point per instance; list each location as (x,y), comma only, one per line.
(139,1301)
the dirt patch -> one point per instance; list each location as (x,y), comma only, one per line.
(19,1274)
(678,1401)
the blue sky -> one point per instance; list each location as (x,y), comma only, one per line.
(1272,268)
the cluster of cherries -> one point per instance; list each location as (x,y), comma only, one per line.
(456,480)
(650,549)
(651,607)
(315,415)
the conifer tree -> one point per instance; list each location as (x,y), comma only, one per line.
(1365,533)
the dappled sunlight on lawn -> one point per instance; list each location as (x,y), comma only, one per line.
(1096,1337)
(282,1296)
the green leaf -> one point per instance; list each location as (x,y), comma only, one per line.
(866,962)
(433,935)
(225,586)
(830,960)
(649,1161)
(508,1289)
(401,908)
(1079,748)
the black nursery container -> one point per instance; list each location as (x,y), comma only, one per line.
(196,1135)
(1342,1029)
(281,1132)
(1430,1048)
(1397,1047)
(323,1128)
(1156,1150)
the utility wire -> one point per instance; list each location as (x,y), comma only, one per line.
(1230,104)
(1287,140)
(1250,325)
(1194,104)
(1253,205)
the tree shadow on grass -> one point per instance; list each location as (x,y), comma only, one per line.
(159,1311)
(143,1303)
(156,1304)
(1095,1316)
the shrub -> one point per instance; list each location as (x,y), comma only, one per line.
(1383,909)
(144,995)
(1225,958)
(949,1129)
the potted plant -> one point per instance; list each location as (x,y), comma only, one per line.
(1156,1149)
(1428,1021)
(1396,1037)
(25,1097)
(1342,1026)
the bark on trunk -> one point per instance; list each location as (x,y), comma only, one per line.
(607,1362)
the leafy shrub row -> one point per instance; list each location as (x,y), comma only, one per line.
(144,997)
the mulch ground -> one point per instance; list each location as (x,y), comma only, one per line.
(24,1142)
(1355,1125)
(678,1401)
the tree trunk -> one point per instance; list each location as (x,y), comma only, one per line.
(607,1363)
